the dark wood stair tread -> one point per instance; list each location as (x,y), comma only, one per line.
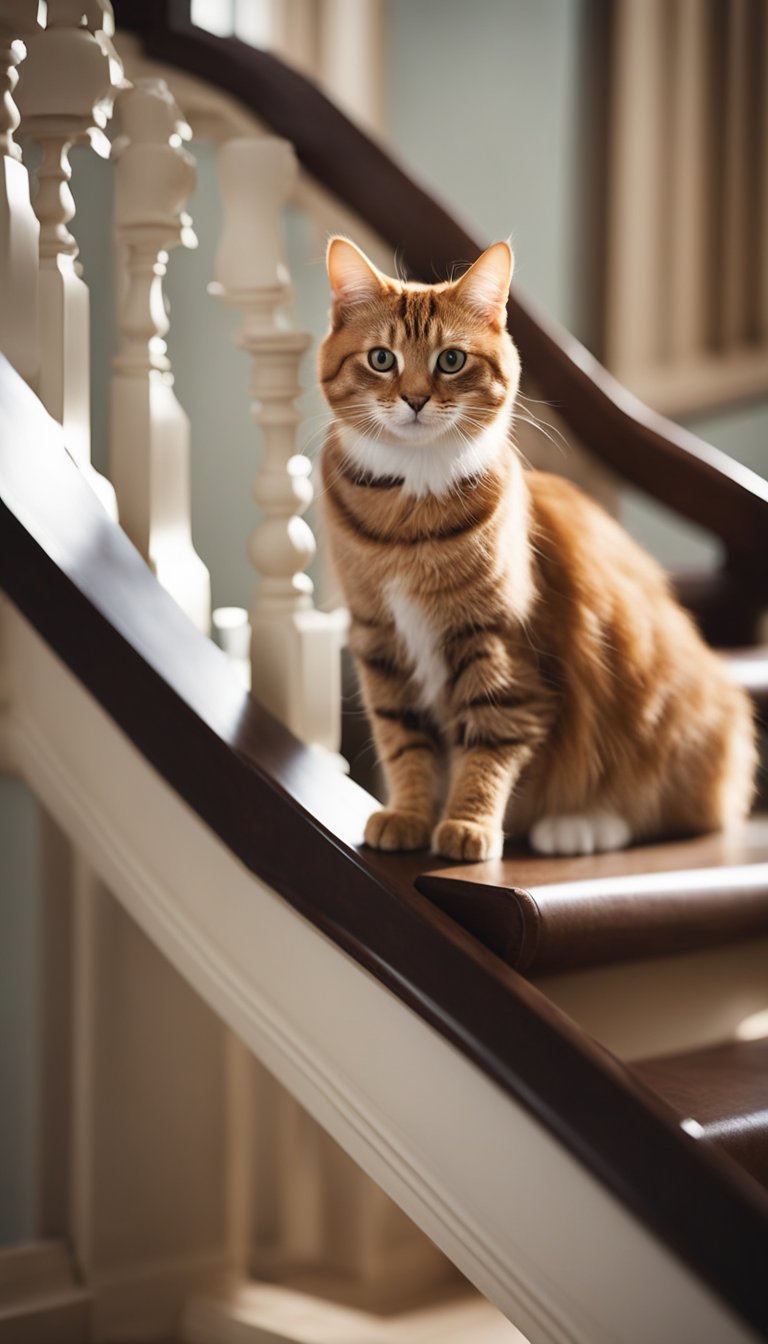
(723,1089)
(545,915)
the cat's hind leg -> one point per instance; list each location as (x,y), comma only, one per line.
(592,831)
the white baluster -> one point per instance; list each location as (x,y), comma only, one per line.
(19,229)
(154,177)
(65,97)
(294,647)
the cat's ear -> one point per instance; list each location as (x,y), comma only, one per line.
(354,279)
(485,286)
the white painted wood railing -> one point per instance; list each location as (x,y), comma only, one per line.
(71,78)
(327,1218)
(295,649)
(19,230)
(67,86)
(150,433)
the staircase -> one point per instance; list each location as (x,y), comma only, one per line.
(555,1068)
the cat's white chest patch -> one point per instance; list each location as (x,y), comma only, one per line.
(421,641)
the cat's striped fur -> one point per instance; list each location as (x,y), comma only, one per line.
(500,620)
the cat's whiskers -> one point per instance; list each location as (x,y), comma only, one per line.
(314,442)
(538,401)
(372,430)
(311,445)
(480,426)
(556,437)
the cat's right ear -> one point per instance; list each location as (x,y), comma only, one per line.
(354,279)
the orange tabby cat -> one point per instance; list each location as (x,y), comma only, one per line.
(499,618)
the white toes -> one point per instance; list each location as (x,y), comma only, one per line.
(543,836)
(611,831)
(580,833)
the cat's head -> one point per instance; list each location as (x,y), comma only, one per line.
(418,370)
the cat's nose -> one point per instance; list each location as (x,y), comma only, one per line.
(415,403)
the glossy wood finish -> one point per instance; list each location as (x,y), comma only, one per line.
(725,1090)
(543,915)
(295,822)
(724,611)
(653,454)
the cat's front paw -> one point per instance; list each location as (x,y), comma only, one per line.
(390,829)
(467,841)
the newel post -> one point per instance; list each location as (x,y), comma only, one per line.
(150,434)
(65,97)
(295,648)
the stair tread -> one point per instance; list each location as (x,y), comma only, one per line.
(724,1089)
(543,914)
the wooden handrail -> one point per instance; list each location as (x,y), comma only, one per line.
(672,465)
(297,823)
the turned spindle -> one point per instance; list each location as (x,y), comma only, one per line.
(19,229)
(150,433)
(295,648)
(66,89)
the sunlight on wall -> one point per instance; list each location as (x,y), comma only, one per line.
(250,20)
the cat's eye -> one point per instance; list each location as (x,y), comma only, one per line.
(381,359)
(450,361)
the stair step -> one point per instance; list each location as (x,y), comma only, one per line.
(723,1090)
(54,1320)
(40,1298)
(274,1314)
(547,915)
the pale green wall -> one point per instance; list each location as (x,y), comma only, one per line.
(485,104)
(743,434)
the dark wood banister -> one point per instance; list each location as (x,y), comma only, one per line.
(672,465)
(297,824)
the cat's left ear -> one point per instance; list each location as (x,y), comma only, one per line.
(354,279)
(485,286)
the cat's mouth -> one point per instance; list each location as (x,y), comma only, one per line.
(418,427)
(414,431)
